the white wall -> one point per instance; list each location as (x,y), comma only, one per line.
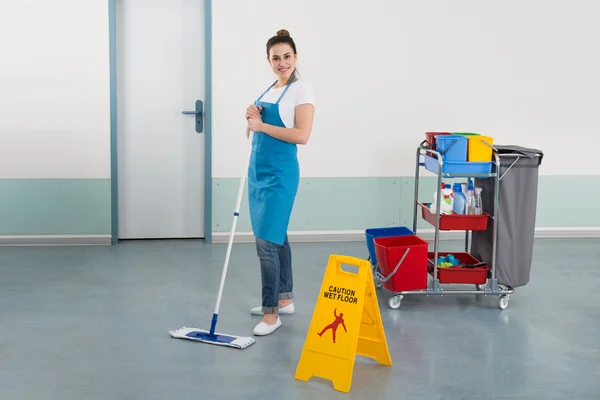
(523,72)
(54,89)
(384,72)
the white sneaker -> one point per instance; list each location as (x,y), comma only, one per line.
(263,328)
(289,309)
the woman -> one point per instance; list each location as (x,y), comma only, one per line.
(281,118)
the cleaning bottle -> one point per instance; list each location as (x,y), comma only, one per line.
(470,199)
(432,205)
(447,202)
(460,200)
(478,202)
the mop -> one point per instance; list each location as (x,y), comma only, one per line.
(212,337)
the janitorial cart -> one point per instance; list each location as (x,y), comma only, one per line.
(404,264)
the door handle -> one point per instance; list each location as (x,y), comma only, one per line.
(199,112)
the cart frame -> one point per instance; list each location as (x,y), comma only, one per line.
(435,288)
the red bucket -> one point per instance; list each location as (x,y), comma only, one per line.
(412,273)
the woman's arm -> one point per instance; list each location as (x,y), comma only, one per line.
(298,135)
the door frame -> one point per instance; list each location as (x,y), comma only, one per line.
(114,167)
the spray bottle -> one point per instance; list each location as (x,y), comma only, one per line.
(470,199)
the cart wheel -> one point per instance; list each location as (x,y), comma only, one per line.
(394,302)
(480,286)
(378,283)
(503,302)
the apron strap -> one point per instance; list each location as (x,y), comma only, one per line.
(269,88)
(273,84)
(286,88)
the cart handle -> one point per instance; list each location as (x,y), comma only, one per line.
(385,279)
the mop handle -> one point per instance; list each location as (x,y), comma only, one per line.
(235,218)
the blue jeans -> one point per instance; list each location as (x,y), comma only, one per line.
(276,273)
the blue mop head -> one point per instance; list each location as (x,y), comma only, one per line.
(204,336)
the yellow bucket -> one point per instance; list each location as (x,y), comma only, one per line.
(478,150)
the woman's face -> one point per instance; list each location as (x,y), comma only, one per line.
(283,60)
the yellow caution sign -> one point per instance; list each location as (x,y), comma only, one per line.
(346,322)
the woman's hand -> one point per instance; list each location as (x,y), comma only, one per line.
(255,124)
(300,133)
(253,112)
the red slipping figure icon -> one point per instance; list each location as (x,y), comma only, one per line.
(339,319)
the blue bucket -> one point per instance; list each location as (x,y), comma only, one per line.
(383,232)
(452,147)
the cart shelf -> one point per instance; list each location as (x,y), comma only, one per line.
(462,168)
(449,168)
(455,222)
(470,273)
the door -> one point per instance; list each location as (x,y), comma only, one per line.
(160,74)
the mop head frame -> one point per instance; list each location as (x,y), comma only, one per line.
(220,339)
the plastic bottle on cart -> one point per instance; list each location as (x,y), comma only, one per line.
(460,200)
(448,201)
(470,199)
(478,202)
(432,205)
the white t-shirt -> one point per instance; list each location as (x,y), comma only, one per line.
(299,92)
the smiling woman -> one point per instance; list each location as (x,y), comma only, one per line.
(281,118)
(297,107)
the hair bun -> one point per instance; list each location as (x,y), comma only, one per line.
(283,32)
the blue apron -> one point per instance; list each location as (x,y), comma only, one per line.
(273,178)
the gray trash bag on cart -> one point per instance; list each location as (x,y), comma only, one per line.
(517,205)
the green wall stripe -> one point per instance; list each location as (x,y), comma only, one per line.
(55,206)
(83,206)
(320,204)
(360,203)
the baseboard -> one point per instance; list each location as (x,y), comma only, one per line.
(426,234)
(54,240)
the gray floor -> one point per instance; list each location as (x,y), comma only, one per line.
(92,323)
